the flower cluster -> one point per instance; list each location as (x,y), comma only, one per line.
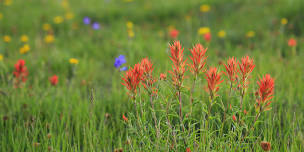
(20,73)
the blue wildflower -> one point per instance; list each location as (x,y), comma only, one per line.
(119,61)
(123,69)
(95,26)
(86,20)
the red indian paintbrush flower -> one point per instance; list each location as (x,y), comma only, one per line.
(147,78)
(245,68)
(231,69)
(198,59)
(213,78)
(125,118)
(265,93)
(292,42)
(179,63)
(207,37)
(234,118)
(266,146)
(174,33)
(132,79)
(54,80)
(20,72)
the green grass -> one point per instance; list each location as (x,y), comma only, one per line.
(84,111)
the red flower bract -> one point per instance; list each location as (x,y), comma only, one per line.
(178,66)
(207,37)
(54,80)
(245,68)
(265,92)
(20,72)
(231,69)
(132,78)
(147,78)
(292,42)
(198,59)
(213,78)
(174,33)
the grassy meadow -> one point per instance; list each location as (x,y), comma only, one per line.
(70,97)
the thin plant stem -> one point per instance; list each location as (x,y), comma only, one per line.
(191,93)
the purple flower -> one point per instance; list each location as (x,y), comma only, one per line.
(86,20)
(95,26)
(119,61)
(123,69)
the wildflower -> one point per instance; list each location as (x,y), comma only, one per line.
(234,118)
(24,38)
(58,19)
(266,146)
(231,69)
(284,21)
(73,61)
(54,80)
(163,76)
(7,2)
(120,60)
(1,57)
(49,38)
(174,33)
(7,38)
(1,16)
(24,49)
(86,20)
(292,42)
(131,33)
(265,93)
(46,27)
(245,68)
(221,34)
(69,15)
(179,63)
(198,59)
(20,72)
(250,34)
(213,78)
(129,25)
(188,149)
(147,79)
(205,8)
(203,30)
(207,37)
(245,112)
(95,26)
(132,79)
(123,69)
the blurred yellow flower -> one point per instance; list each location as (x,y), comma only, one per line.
(46,27)
(65,4)
(221,34)
(73,61)
(58,19)
(131,33)
(129,25)
(284,21)
(1,57)
(49,38)
(205,8)
(7,38)
(171,27)
(7,2)
(203,30)
(24,49)
(1,16)
(24,38)
(69,15)
(128,1)
(250,34)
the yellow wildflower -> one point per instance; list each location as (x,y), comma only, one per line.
(7,38)
(24,38)
(1,57)
(129,25)
(49,38)
(7,2)
(58,19)
(250,34)
(73,61)
(46,27)
(1,16)
(205,8)
(221,34)
(284,21)
(130,34)
(69,15)
(171,27)
(24,49)
(65,4)
(203,30)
